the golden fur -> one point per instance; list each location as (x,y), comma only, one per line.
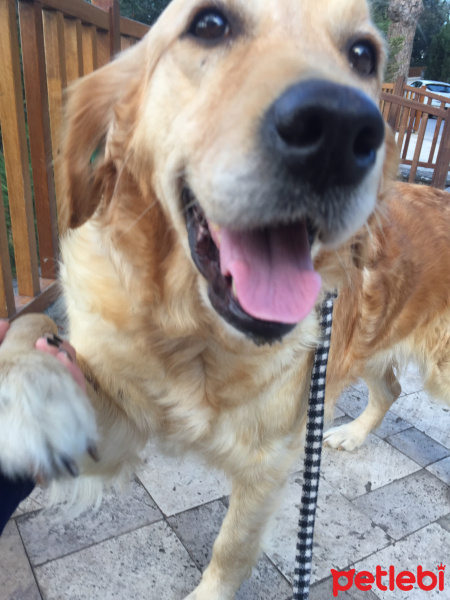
(158,359)
(394,309)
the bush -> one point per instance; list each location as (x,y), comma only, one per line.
(6,209)
(438,67)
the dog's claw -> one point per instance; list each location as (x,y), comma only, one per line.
(71,466)
(93,453)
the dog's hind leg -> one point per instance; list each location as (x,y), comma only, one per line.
(435,364)
(383,392)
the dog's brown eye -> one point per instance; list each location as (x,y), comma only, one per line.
(210,25)
(363,57)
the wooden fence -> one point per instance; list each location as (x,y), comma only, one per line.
(44,45)
(407,110)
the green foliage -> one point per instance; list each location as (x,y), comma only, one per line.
(379,15)
(145,11)
(439,56)
(431,21)
(6,209)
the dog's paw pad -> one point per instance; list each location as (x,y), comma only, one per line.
(47,423)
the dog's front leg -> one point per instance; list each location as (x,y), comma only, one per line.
(46,420)
(255,496)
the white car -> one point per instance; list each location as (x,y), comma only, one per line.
(436,87)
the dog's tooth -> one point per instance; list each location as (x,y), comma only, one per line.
(233,289)
(214,230)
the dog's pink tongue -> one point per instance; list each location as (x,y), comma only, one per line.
(272,272)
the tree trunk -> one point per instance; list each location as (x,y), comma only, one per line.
(404,15)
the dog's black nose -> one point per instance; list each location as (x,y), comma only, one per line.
(326,134)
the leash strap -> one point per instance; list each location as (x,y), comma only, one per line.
(313,455)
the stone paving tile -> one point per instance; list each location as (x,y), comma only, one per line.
(35,501)
(197,530)
(16,578)
(419,447)
(364,496)
(324,591)
(353,401)
(48,535)
(390,425)
(193,482)
(375,464)
(427,547)
(146,564)
(441,470)
(445,522)
(407,504)
(411,380)
(427,415)
(343,533)
(338,413)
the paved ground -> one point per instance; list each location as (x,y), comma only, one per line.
(386,504)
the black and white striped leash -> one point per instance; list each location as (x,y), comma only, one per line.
(313,455)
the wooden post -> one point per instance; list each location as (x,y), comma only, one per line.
(14,137)
(443,157)
(112,6)
(114,32)
(55,57)
(393,113)
(33,58)
(89,48)
(73,49)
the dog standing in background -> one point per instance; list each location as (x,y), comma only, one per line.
(394,309)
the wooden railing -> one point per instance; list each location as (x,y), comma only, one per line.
(44,45)
(407,110)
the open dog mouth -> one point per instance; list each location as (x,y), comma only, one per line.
(262,282)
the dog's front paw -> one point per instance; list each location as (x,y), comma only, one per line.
(46,421)
(346,437)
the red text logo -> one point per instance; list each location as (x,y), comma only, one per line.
(388,580)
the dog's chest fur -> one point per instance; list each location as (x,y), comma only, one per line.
(210,392)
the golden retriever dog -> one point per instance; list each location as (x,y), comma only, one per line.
(395,309)
(204,171)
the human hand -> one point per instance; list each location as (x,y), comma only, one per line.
(60,349)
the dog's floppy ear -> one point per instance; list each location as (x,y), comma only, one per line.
(91,114)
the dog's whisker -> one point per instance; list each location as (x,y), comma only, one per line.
(136,221)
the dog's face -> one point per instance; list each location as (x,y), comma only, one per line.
(254,125)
